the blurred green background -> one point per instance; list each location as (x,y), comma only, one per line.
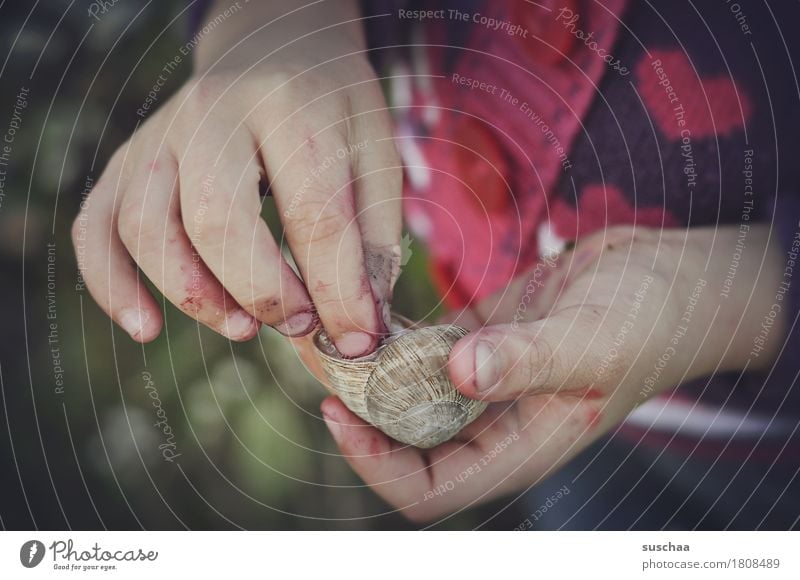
(79,448)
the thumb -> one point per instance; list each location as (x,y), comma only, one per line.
(562,353)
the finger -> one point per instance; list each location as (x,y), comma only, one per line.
(424,485)
(221,216)
(106,267)
(533,294)
(396,472)
(529,296)
(312,184)
(378,191)
(151,229)
(561,353)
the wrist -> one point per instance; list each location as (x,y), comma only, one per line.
(236,34)
(729,285)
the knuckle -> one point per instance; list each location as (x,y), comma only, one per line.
(343,311)
(333,298)
(267,308)
(312,227)
(202,92)
(590,318)
(614,337)
(129,225)
(302,103)
(144,233)
(116,162)
(292,81)
(211,232)
(199,101)
(537,368)
(207,215)
(138,230)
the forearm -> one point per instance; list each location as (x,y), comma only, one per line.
(239,31)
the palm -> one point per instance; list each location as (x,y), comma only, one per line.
(569,365)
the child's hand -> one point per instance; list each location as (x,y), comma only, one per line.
(181,198)
(607,313)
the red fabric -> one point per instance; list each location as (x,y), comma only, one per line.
(601,206)
(492,168)
(713,106)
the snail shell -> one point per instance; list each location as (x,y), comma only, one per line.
(403,388)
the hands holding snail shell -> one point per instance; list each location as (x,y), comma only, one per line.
(564,354)
(179,203)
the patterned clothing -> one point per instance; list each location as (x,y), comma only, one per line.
(524,125)
(661,114)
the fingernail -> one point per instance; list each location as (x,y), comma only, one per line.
(354,344)
(239,325)
(297,325)
(133,321)
(485,367)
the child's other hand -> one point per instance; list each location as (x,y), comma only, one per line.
(180,201)
(564,361)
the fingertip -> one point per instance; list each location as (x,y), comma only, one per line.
(331,408)
(357,439)
(239,326)
(142,324)
(336,417)
(334,409)
(356,344)
(333,428)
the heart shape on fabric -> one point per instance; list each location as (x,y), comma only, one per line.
(722,109)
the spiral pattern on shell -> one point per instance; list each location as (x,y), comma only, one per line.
(403,388)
